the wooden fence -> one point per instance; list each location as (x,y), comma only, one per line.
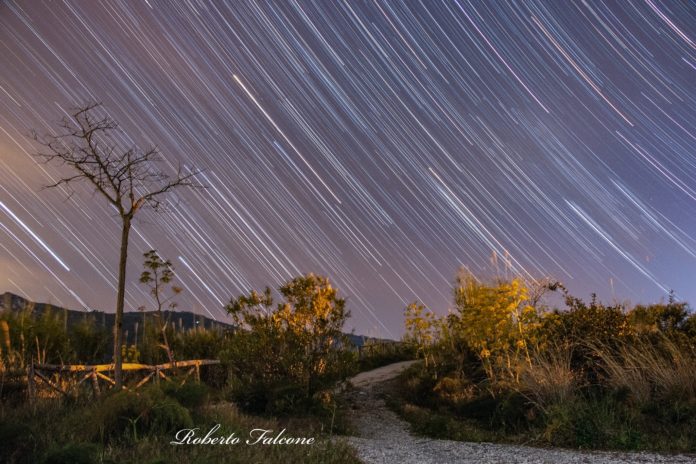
(66,379)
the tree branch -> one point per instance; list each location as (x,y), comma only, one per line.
(87,146)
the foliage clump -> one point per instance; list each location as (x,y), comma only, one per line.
(503,365)
(128,415)
(284,356)
(73,453)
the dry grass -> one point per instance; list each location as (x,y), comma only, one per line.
(548,379)
(649,371)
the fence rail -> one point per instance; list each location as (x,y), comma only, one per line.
(65,379)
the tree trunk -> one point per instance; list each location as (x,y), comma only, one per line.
(163,329)
(120,302)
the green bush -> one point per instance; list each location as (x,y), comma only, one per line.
(17,442)
(198,343)
(128,415)
(593,423)
(382,355)
(512,412)
(90,342)
(191,395)
(284,400)
(73,453)
(417,385)
(285,354)
(584,326)
(40,337)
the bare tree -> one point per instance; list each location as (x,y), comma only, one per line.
(129,179)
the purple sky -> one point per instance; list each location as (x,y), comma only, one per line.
(384,144)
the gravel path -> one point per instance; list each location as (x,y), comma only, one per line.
(385,439)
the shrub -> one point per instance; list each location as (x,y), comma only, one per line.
(283,400)
(73,453)
(190,395)
(90,343)
(16,442)
(282,356)
(454,391)
(416,385)
(583,326)
(128,415)
(496,320)
(593,422)
(198,343)
(666,318)
(27,335)
(581,323)
(422,331)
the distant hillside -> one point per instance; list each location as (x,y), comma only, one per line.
(183,320)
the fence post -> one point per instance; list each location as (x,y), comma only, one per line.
(95,383)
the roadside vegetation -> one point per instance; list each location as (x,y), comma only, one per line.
(137,427)
(504,366)
(280,365)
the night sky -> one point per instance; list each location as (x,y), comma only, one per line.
(383,144)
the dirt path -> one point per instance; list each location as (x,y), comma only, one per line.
(379,375)
(385,439)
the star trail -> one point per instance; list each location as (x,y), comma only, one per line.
(381,143)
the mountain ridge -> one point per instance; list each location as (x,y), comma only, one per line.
(184,320)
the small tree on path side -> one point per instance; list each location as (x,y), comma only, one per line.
(157,275)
